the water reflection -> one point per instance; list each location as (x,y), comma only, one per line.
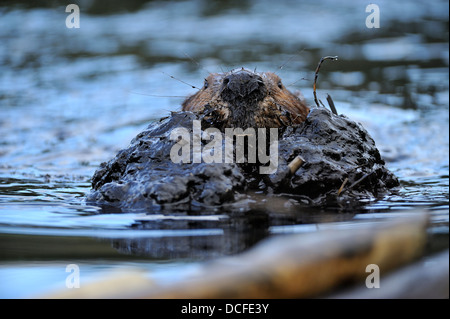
(231,233)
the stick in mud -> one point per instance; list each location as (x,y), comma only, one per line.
(334,58)
(342,186)
(360,180)
(295,164)
(331,104)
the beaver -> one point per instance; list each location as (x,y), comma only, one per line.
(243,98)
(339,159)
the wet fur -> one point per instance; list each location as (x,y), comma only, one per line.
(270,105)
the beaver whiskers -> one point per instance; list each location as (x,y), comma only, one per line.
(245,98)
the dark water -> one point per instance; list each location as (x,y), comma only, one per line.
(71,98)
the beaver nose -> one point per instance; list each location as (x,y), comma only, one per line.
(242,84)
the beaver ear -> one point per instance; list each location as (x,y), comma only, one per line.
(205,84)
(280,85)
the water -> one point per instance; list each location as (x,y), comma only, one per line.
(71,98)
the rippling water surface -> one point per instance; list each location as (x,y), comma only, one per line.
(71,98)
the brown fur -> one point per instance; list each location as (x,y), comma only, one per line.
(242,98)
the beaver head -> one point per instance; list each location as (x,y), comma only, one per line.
(242,98)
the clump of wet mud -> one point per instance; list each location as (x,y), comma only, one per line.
(144,175)
(339,162)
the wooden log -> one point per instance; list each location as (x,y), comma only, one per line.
(424,279)
(116,284)
(304,265)
(293,266)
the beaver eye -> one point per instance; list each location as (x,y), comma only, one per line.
(280,85)
(205,85)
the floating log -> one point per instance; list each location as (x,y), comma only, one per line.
(424,279)
(285,266)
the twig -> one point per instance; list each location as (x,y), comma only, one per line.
(331,104)
(360,180)
(341,189)
(342,186)
(295,164)
(334,58)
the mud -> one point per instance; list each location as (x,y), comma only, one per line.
(340,163)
